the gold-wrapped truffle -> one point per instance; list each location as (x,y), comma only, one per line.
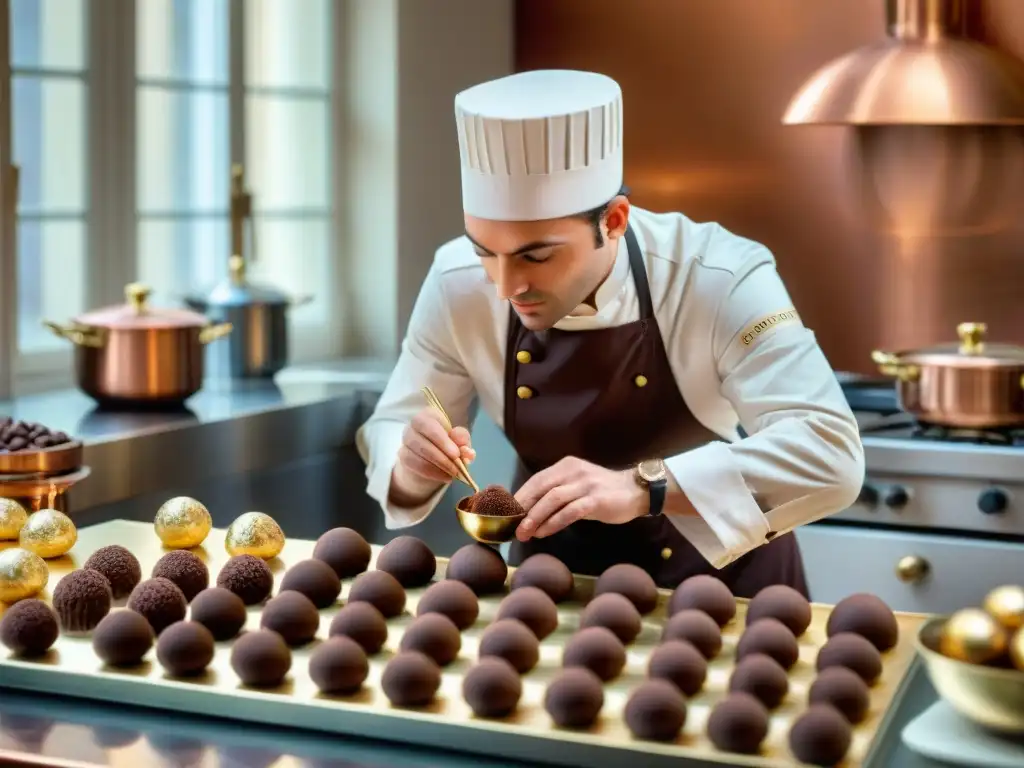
(974,636)
(1017,649)
(1006,605)
(23,574)
(48,533)
(254,533)
(12,518)
(182,523)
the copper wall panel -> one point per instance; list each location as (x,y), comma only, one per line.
(885,237)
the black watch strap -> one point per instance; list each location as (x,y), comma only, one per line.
(657,489)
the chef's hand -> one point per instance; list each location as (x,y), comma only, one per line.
(426,457)
(573,490)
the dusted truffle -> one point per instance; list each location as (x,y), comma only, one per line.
(363,623)
(344,550)
(81,599)
(219,610)
(248,577)
(655,711)
(185,648)
(854,652)
(496,501)
(434,635)
(381,590)
(772,638)
(120,566)
(704,593)
(452,599)
(695,627)
(679,662)
(293,616)
(261,659)
(762,677)
(865,615)
(411,679)
(547,573)
(784,603)
(409,560)
(479,567)
(844,690)
(339,665)
(597,649)
(186,570)
(29,628)
(513,641)
(574,699)
(532,607)
(160,602)
(633,583)
(820,736)
(492,688)
(738,723)
(615,612)
(122,639)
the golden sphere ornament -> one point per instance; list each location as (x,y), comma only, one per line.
(48,533)
(1017,649)
(23,574)
(254,533)
(12,518)
(1006,605)
(974,636)
(182,523)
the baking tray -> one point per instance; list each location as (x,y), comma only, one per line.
(72,669)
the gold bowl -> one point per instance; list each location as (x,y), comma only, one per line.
(989,696)
(487,529)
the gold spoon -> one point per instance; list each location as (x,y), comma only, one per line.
(434,403)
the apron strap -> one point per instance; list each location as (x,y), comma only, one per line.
(636,266)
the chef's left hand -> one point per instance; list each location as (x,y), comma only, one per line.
(573,490)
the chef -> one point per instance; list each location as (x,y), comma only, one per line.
(622,352)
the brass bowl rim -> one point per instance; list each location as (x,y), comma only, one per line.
(932,627)
(459,506)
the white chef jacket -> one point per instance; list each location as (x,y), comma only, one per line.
(737,349)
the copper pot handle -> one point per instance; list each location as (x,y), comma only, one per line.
(80,336)
(891,365)
(214,332)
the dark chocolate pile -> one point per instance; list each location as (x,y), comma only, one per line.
(495,501)
(28,436)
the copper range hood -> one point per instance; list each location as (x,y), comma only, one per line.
(926,73)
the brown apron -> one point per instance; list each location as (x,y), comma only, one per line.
(609,396)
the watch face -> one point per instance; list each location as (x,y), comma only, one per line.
(651,470)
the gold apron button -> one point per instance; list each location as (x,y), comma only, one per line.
(524,393)
(666,553)
(640,381)
(523,356)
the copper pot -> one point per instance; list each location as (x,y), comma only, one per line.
(134,353)
(971,384)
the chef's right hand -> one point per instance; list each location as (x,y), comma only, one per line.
(428,453)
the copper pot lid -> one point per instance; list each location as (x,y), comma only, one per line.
(971,352)
(138,314)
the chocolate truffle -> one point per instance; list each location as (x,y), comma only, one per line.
(29,628)
(695,627)
(574,698)
(315,579)
(435,635)
(783,603)
(344,550)
(655,711)
(546,573)
(704,593)
(597,649)
(479,567)
(844,690)
(772,638)
(248,577)
(632,582)
(452,599)
(122,639)
(738,723)
(679,662)
(381,590)
(81,599)
(532,607)
(339,665)
(492,688)
(120,566)
(363,623)
(293,616)
(411,679)
(186,570)
(513,641)
(615,612)
(854,652)
(496,501)
(865,615)
(160,602)
(261,659)
(219,610)
(185,648)
(762,677)
(820,736)
(409,560)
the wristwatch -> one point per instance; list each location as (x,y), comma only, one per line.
(652,475)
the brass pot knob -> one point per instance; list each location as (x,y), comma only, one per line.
(137,295)
(912,569)
(972,337)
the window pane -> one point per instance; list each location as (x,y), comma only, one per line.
(293,255)
(48,34)
(287,161)
(51,279)
(183,152)
(286,43)
(185,40)
(49,143)
(178,255)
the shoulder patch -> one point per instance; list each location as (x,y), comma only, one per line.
(769,323)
